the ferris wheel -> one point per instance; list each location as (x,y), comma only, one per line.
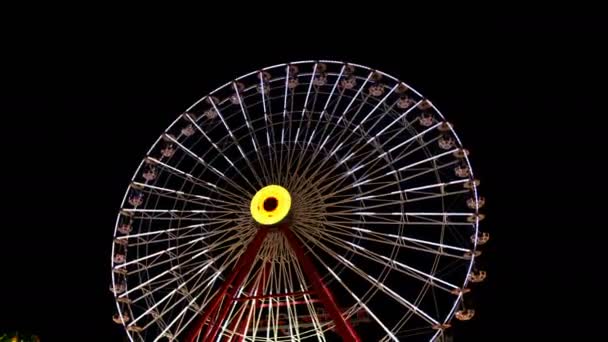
(308,201)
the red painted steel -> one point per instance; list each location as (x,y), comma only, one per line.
(240,270)
(343,327)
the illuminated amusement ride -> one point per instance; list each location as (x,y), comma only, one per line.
(309,201)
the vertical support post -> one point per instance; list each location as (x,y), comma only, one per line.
(236,278)
(343,327)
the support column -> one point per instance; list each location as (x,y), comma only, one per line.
(236,278)
(343,327)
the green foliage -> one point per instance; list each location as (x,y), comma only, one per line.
(19,337)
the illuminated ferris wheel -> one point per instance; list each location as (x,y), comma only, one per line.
(309,201)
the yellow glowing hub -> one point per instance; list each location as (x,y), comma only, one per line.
(270,205)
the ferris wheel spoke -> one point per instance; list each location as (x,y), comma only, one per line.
(229,195)
(369,114)
(383,203)
(184,196)
(236,320)
(430,159)
(230,256)
(256,286)
(379,146)
(414,176)
(161,232)
(233,310)
(327,103)
(293,312)
(264,289)
(186,237)
(188,263)
(319,171)
(351,293)
(205,292)
(317,151)
(371,164)
(373,169)
(145,269)
(182,230)
(233,304)
(305,138)
(388,262)
(254,140)
(371,195)
(403,217)
(411,139)
(384,236)
(252,309)
(270,312)
(277,290)
(182,236)
(409,151)
(305,113)
(266,118)
(236,143)
(350,152)
(340,142)
(348,246)
(270,289)
(199,267)
(410,223)
(160,214)
(183,311)
(391,293)
(280,158)
(210,167)
(403,180)
(433,158)
(292,153)
(169,295)
(314,318)
(346,110)
(398,241)
(166,251)
(365,179)
(287,132)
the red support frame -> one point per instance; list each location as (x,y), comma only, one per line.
(276,295)
(236,278)
(234,281)
(343,327)
(260,289)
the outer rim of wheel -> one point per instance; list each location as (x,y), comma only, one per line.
(455,135)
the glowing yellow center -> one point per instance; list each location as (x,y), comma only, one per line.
(270,205)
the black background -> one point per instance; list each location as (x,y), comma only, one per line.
(80,111)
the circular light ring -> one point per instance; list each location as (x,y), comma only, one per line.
(270,205)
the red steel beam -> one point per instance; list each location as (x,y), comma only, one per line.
(240,327)
(343,327)
(276,295)
(260,289)
(240,270)
(296,302)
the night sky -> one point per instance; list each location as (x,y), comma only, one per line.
(79,114)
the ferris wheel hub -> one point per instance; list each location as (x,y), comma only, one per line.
(270,205)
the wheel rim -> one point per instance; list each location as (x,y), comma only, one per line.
(377,203)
